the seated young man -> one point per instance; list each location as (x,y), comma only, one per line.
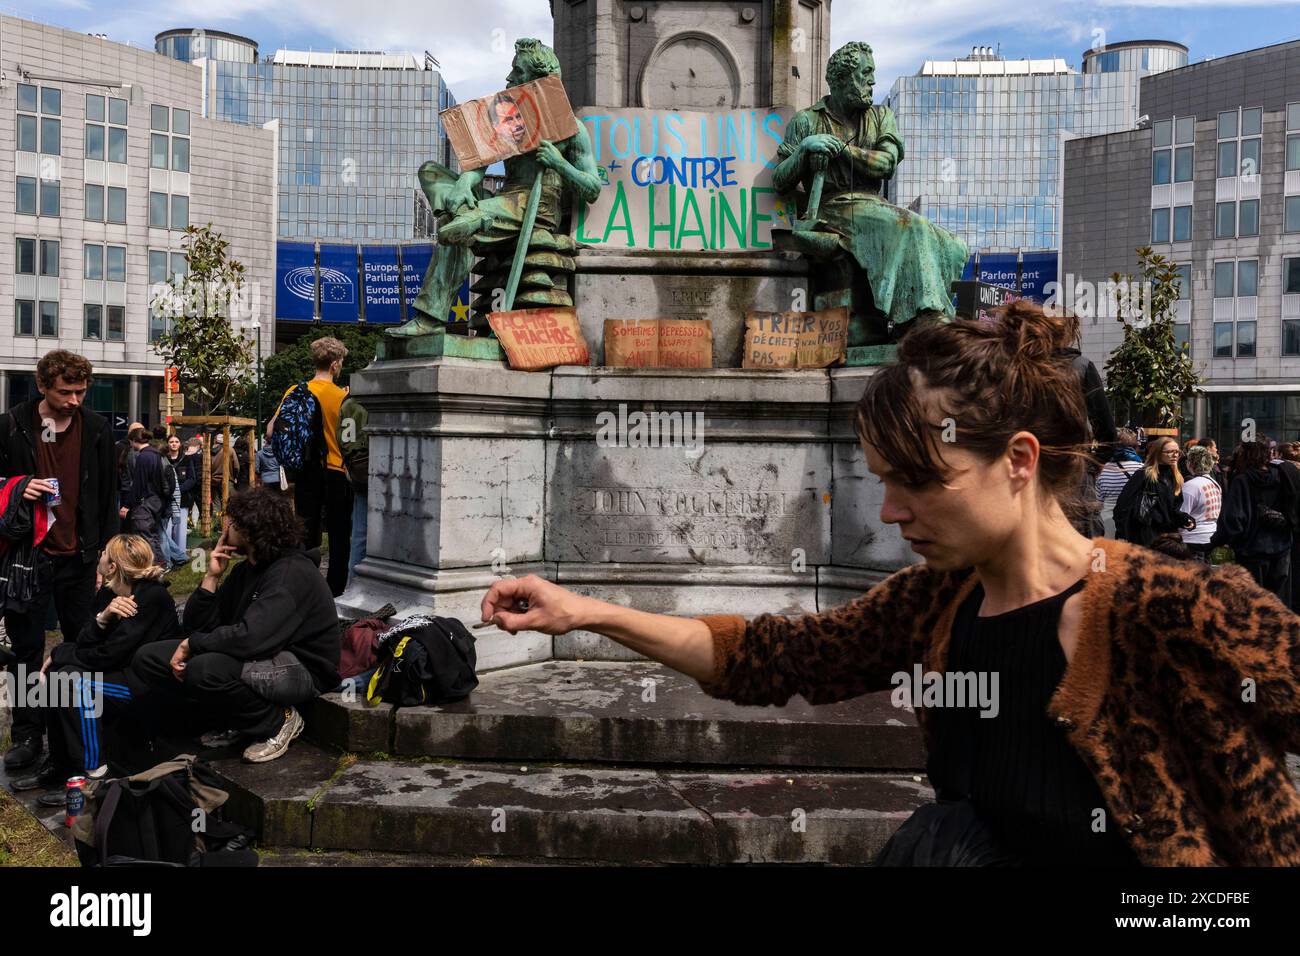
(261,642)
(88,682)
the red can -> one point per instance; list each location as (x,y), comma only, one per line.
(76,800)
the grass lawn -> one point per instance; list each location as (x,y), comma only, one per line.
(24,842)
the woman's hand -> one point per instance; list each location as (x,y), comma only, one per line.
(120,607)
(533,604)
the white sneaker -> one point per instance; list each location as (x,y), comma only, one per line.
(266,750)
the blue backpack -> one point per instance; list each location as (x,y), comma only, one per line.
(298,439)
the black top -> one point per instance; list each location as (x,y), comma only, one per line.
(262,609)
(1018,767)
(111,648)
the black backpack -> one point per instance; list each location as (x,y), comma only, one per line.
(156,821)
(424,661)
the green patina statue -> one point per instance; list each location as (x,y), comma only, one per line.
(473,224)
(889,265)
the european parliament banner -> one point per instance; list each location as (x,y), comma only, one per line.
(683,181)
(999,268)
(968,273)
(338,283)
(382,284)
(415,260)
(295,281)
(1036,271)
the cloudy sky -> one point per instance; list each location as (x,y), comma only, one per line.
(473,38)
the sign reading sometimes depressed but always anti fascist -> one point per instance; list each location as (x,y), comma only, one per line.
(683,181)
(508,123)
(659,343)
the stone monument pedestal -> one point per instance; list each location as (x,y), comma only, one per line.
(478,471)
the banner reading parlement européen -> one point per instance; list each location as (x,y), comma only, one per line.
(683,181)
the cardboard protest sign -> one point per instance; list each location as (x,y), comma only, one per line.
(796,339)
(659,343)
(535,339)
(508,123)
(683,181)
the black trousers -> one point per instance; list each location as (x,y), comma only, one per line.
(1270,571)
(71,586)
(325,498)
(226,689)
(88,702)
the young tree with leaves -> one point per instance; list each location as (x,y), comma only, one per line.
(1150,374)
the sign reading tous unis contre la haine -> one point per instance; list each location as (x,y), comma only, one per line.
(683,181)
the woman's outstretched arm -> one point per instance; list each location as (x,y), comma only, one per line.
(683,643)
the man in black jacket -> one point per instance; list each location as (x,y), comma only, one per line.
(57,437)
(261,642)
(147,496)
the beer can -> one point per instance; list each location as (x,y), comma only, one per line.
(76,800)
(56,497)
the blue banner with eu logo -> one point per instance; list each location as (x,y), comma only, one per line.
(338,283)
(295,281)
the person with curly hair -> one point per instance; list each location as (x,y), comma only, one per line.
(260,643)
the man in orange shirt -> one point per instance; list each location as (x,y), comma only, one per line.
(326,492)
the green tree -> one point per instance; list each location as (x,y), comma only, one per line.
(293,364)
(1149,375)
(208,316)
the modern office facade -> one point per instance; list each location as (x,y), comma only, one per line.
(1213,183)
(106,157)
(983,135)
(354,129)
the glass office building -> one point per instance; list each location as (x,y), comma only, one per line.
(354,129)
(983,136)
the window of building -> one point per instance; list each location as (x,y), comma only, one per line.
(116,322)
(1291,220)
(1224,281)
(1245,339)
(50,193)
(169,143)
(157,266)
(25,257)
(180,218)
(116,204)
(26,198)
(1184,129)
(158,210)
(39,109)
(1159,225)
(1248,218)
(1225,220)
(106,128)
(1160,167)
(1240,142)
(94,321)
(1182,224)
(1291,276)
(1223,340)
(94,202)
(1183,164)
(1227,158)
(50,257)
(24,317)
(49,319)
(115,263)
(94,261)
(1248,277)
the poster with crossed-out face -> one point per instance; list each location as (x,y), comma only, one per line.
(509,123)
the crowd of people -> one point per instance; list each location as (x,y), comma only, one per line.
(90,528)
(1188,503)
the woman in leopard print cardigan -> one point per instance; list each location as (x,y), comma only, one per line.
(1180,691)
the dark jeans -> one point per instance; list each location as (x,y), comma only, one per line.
(327,499)
(71,586)
(248,696)
(1270,571)
(76,725)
